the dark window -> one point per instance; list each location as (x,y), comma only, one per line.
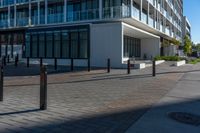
(28,48)
(57,44)
(34,45)
(49,36)
(65,44)
(132,47)
(74,44)
(42,45)
(83,44)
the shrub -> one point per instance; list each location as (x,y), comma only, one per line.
(168,58)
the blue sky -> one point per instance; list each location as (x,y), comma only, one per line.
(192,11)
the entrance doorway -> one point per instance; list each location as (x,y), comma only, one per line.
(12,43)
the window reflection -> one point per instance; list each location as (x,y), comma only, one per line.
(71,43)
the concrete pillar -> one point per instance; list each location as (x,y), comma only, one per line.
(100,9)
(46,11)
(9,16)
(29,15)
(131,8)
(148,12)
(154,20)
(38,11)
(65,11)
(141,1)
(1,4)
(15,14)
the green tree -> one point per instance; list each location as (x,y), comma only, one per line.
(175,42)
(187,45)
(197,47)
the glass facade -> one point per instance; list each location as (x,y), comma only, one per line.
(23,13)
(58,43)
(132,47)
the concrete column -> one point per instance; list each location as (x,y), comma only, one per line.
(1,4)
(141,1)
(46,11)
(29,16)
(100,9)
(148,12)
(154,20)
(157,19)
(131,8)
(65,11)
(9,16)
(38,11)
(15,14)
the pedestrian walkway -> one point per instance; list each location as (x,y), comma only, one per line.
(184,97)
(84,102)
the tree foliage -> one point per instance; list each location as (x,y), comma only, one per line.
(187,45)
(197,47)
(175,42)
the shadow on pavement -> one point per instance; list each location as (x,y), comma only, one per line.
(20,112)
(117,120)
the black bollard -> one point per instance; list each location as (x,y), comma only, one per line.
(55,63)
(8,59)
(27,61)
(16,61)
(43,88)
(41,62)
(72,65)
(2,63)
(153,68)
(1,83)
(108,65)
(17,58)
(89,67)
(128,67)
(4,60)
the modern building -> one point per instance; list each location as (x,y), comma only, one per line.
(89,31)
(186,27)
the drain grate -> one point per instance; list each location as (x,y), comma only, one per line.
(186,118)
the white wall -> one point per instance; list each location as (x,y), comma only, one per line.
(150,47)
(106,42)
(170,50)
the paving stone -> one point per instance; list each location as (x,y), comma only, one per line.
(83,102)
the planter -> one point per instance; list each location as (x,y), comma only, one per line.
(139,65)
(159,62)
(180,63)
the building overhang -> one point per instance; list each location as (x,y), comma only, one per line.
(136,32)
(145,27)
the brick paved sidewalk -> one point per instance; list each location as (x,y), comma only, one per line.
(83,102)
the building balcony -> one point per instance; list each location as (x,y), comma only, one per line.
(109,13)
(55,18)
(151,22)
(116,12)
(136,13)
(34,20)
(22,21)
(144,18)
(3,23)
(80,15)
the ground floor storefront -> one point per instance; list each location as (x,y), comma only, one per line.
(86,44)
